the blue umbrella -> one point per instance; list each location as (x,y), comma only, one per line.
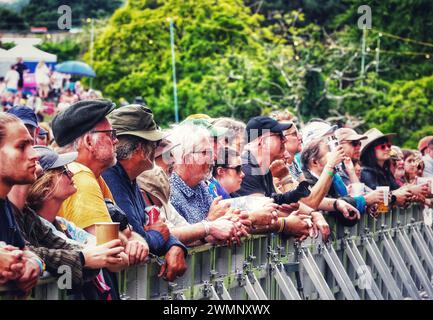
(77,68)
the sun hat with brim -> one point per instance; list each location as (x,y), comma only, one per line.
(197,116)
(315,130)
(49,159)
(135,120)
(424,142)
(348,134)
(214,131)
(372,136)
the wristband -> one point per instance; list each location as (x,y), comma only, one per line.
(41,264)
(335,205)
(282,225)
(330,173)
(206,227)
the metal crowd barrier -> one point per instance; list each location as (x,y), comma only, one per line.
(379,259)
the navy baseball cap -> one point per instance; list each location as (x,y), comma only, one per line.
(258,125)
(49,159)
(26,114)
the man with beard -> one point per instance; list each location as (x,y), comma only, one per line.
(83,127)
(138,138)
(351,143)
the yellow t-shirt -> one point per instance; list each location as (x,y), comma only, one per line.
(87,206)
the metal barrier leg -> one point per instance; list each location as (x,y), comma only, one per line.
(285,283)
(316,276)
(413,259)
(252,295)
(399,264)
(383,270)
(340,274)
(357,261)
(214,295)
(423,247)
(429,233)
(222,290)
(257,287)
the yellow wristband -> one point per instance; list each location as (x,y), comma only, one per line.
(282,225)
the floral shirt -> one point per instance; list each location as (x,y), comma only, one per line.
(192,203)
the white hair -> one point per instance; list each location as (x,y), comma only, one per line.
(74,145)
(189,137)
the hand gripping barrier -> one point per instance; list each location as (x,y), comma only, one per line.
(385,258)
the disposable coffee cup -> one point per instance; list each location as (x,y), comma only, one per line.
(358,189)
(106,231)
(383,205)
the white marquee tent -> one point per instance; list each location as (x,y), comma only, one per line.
(30,55)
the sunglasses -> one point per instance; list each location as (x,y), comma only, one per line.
(66,172)
(112,133)
(355,143)
(383,146)
(237,168)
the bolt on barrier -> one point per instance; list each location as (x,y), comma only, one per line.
(389,257)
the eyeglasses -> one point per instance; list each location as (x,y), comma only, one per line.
(383,146)
(113,133)
(293,134)
(203,152)
(280,135)
(237,168)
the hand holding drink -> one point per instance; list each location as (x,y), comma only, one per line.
(383,206)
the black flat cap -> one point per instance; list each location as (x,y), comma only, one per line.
(79,118)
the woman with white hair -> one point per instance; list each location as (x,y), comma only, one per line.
(193,163)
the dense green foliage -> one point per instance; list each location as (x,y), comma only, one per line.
(40,13)
(65,50)
(243,58)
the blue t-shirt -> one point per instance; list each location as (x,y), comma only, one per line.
(9,230)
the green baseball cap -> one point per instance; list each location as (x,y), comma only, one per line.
(136,120)
(214,131)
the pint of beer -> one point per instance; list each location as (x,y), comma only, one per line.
(106,231)
(382,207)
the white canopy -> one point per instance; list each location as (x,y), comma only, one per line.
(28,53)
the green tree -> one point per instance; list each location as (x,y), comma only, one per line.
(10,20)
(65,50)
(220,57)
(406,110)
(44,12)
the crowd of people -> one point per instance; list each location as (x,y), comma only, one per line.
(205,180)
(44,90)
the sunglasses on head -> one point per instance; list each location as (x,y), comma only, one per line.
(383,146)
